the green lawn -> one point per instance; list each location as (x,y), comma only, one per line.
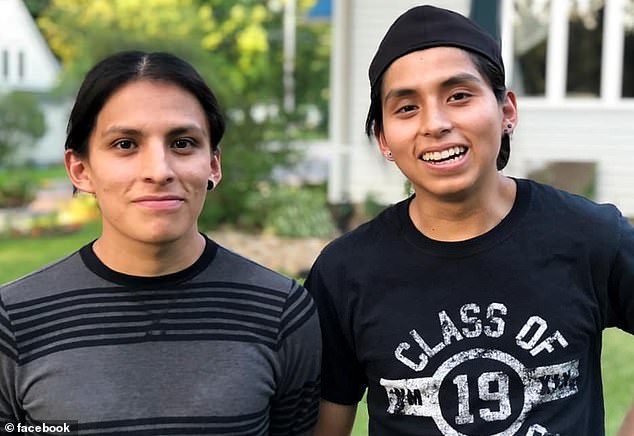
(18,257)
(38,175)
(21,256)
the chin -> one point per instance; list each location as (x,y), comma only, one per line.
(161,236)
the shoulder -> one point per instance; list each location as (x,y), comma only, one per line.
(236,270)
(560,204)
(52,279)
(365,241)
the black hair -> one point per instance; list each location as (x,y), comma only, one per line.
(492,73)
(113,72)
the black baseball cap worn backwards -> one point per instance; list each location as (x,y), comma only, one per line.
(426,27)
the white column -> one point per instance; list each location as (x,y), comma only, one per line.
(557,55)
(612,58)
(506,15)
(339,117)
(289,55)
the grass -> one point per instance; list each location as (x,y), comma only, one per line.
(38,175)
(20,256)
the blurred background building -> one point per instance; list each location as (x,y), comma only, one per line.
(571,62)
(27,64)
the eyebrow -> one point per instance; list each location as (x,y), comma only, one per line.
(175,131)
(458,79)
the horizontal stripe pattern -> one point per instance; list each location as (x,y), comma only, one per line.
(297,411)
(210,311)
(298,309)
(243,424)
(7,340)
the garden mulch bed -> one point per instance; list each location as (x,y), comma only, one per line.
(289,256)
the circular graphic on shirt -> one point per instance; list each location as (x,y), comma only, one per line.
(476,388)
(493,387)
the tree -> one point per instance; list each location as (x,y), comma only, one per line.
(21,124)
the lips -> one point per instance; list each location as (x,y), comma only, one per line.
(159,202)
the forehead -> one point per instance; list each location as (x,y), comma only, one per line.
(429,66)
(150,90)
(151,102)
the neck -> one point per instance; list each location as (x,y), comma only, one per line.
(459,219)
(144,259)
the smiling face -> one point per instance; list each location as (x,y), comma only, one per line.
(442,123)
(148,162)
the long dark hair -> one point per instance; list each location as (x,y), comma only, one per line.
(113,72)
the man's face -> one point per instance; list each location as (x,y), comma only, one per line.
(442,122)
(149,159)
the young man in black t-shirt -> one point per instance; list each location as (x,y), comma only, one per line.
(477,305)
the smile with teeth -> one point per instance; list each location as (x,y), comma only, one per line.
(449,155)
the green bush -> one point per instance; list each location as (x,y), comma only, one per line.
(289,211)
(16,192)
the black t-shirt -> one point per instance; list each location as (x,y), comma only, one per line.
(496,335)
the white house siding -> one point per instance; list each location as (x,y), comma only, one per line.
(581,132)
(20,34)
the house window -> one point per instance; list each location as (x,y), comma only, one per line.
(5,64)
(628,50)
(530,42)
(21,65)
(585,38)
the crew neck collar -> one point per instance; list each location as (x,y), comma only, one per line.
(95,264)
(473,245)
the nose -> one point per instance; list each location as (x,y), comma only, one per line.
(435,121)
(156,164)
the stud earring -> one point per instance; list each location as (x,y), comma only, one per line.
(388,155)
(210,185)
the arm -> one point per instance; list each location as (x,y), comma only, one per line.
(627,429)
(335,419)
(295,406)
(8,363)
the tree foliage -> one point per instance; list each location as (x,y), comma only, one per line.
(236,45)
(21,123)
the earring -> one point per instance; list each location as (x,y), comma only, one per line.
(210,185)
(388,155)
(508,130)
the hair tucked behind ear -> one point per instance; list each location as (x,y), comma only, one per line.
(106,77)
(494,77)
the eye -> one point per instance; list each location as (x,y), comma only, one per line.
(459,96)
(124,144)
(406,108)
(183,143)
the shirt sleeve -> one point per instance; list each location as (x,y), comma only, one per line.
(343,379)
(621,284)
(295,407)
(8,364)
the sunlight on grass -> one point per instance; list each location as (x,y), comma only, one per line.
(24,255)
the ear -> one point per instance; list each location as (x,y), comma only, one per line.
(383,147)
(509,111)
(78,171)
(215,174)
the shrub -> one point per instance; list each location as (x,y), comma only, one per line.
(16,192)
(290,211)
